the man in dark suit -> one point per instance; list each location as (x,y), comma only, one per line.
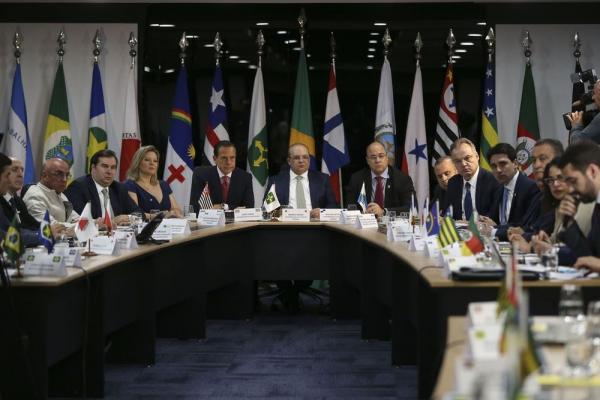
(581,169)
(473,188)
(226,183)
(386,187)
(101,190)
(298,187)
(12,203)
(444,169)
(517,200)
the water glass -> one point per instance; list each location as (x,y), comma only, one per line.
(190,213)
(579,349)
(136,219)
(570,305)
(549,259)
(391,216)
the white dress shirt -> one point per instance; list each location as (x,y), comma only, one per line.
(100,188)
(473,182)
(510,186)
(8,198)
(292,190)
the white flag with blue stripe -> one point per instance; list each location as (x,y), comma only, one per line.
(385,120)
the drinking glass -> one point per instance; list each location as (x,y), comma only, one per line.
(549,259)
(579,349)
(570,305)
(136,219)
(190,213)
(593,333)
(391,216)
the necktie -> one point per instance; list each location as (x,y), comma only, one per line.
(300,199)
(105,200)
(468,204)
(379,191)
(225,188)
(13,205)
(504,206)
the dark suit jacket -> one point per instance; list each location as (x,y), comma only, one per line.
(321,194)
(29,237)
(524,209)
(578,243)
(487,186)
(27,221)
(83,190)
(397,194)
(240,194)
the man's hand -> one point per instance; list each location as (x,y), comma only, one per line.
(218,206)
(487,220)
(589,262)
(568,206)
(121,220)
(575,117)
(516,230)
(57,229)
(373,208)
(541,242)
(522,244)
(315,213)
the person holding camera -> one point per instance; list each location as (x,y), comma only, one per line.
(592,130)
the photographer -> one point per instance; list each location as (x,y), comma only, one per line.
(592,130)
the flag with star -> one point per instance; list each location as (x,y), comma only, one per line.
(335,148)
(216,130)
(12,244)
(446,130)
(57,137)
(528,129)
(97,139)
(414,157)
(179,161)
(385,119)
(45,233)
(258,156)
(301,129)
(489,127)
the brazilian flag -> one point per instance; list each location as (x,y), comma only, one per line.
(12,243)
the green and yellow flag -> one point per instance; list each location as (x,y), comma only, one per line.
(489,127)
(301,127)
(448,232)
(57,138)
(12,244)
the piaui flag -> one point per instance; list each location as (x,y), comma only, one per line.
(258,156)
(448,232)
(301,130)
(216,130)
(415,143)
(16,141)
(335,148)
(97,139)
(57,139)
(489,127)
(130,137)
(385,119)
(528,130)
(446,130)
(179,161)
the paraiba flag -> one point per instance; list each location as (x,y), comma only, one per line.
(130,137)
(385,119)
(16,142)
(45,233)
(97,139)
(301,130)
(12,243)
(216,129)
(57,139)
(528,129)
(258,156)
(489,127)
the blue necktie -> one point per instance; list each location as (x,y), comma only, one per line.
(468,204)
(503,216)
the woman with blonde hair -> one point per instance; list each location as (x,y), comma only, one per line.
(143,185)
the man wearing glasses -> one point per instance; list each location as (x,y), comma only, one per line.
(12,204)
(386,187)
(47,194)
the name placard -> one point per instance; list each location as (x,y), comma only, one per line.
(163,232)
(348,217)
(126,239)
(247,214)
(399,231)
(42,264)
(432,247)
(104,245)
(366,221)
(211,217)
(330,214)
(178,226)
(71,255)
(417,243)
(295,214)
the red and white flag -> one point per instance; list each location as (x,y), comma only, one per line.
(86,227)
(131,140)
(204,201)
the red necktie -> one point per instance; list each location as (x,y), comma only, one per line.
(379,191)
(225,188)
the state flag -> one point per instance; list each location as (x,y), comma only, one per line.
(57,137)
(301,128)
(97,138)
(489,127)
(258,146)
(528,129)
(385,119)
(86,226)
(446,130)
(45,233)
(216,129)
(130,137)
(271,201)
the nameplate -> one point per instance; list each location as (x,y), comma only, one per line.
(104,245)
(366,221)
(399,231)
(178,226)
(482,313)
(295,214)
(211,217)
(483,342)
(247,214)
(163,232)
(330,214)
(126,239)
(42,264)
(348,217)
(417,243)
(71,255)
(432,247)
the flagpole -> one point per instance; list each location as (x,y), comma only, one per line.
(218,44)
(302,29)
(526,43)
(450,42)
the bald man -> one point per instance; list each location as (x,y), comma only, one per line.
(47,194)
(12,203)
(387,188)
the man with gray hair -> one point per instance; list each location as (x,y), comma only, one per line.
(47,194)
(444,169)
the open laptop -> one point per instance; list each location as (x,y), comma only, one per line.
(145,236)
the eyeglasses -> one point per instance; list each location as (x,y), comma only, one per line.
(298,158)
(551,181)
(374,157)
(60,174)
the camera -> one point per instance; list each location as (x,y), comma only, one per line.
(588,76)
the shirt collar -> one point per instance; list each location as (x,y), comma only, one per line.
(99,187)
(384,174)
(7,196)
(473,180)
(598,198)
(293,175)
(221,174)
(512,183)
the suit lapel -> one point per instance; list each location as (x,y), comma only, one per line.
(214,183)
(94,198)
(115,203)
(313,189)
(368,185)
(283,187)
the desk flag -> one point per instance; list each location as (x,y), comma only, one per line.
(86,227)
(446,130)
(45,233)
(385,119)
(97,139)
(216,129)
(489,127)
(130,137)
(335,148)
(57,138)
(301,129)
(16,142)
(528,130)
(271,201)
(12,244)
(258,156)
(474,242)
(179,161)
(432,221)
(204,200)
(362,200)
(448,233)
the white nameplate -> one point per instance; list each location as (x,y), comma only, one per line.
(483,342)
(71,255)
(366,221)
(399,231)
(43,264)
(330,214)
(247,214)
(163,232)
(104,245)
(432,247)
(126,239)
(178,226)
(417,243)
(348,217)
(295,214)
(211,217)
(482,313)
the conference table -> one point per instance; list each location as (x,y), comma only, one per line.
(113,308)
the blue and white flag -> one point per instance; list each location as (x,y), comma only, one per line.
(216,130)
(362,198)
(45,233)
(432,220)
(16,141)
(335,148)
(385,120)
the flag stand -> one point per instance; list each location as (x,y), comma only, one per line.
(19,273)
(89,252)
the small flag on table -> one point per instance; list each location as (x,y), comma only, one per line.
(204,201)
(45,233)
(432,221)
(12,244)
(475,241)
(448,232)
(271,201)
(362,198)
(86,227)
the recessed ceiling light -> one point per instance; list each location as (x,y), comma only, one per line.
(373,41)
(456,57)
(191,36)
(474,35)
(209,45)
(460,51)
(233,57)
(370,55)
(374,33)
(252,66)
(467,44)
(297,48)
(281,32)
(369,67)
(311,67)
(379,24)
(167,26)
(372,49)
(147,69)
(169,71)
(308,56)
(290,41)
(262,24)
(481,24)
(244,61)
(154,25)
